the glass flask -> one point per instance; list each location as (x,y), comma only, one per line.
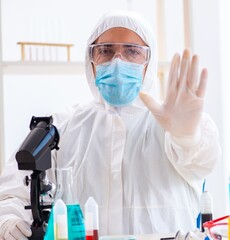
(76,225)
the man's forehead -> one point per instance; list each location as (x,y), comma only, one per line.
(118,35)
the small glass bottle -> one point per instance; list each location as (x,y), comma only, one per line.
(206,208)
(76,225)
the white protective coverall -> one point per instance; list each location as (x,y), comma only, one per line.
(142,179)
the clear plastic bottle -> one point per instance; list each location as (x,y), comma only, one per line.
(76,225)
(91,219)
(60,220)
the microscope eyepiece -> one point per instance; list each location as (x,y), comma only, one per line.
(35,151)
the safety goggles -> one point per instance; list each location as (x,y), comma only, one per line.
(105,52)
(218,228)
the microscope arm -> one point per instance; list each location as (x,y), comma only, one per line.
(35,198)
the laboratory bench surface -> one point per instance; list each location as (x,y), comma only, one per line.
(139,237)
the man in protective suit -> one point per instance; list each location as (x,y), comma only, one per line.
(143,161)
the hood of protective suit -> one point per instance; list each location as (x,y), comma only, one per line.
(136,23)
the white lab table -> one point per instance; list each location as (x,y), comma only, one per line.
(138,237)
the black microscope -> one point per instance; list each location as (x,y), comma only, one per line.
(35,154)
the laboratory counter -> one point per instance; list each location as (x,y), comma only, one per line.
(139,237)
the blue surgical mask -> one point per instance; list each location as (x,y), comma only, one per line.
(119,82)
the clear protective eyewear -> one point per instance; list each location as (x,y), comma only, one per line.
(218,228)
(105,52)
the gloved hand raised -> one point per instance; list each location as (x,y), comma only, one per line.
(15,229)
(180,113)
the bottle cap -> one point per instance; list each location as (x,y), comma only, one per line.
(91,214)
(206,205)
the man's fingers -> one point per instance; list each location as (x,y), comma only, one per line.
(185,65)
(173,73)
(10,237)
(150,102)
(193,73)
(24,228)
(203,83)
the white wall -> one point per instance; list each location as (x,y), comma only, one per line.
(206,32)
(207,43)
(37,95)
(1,104)
(58,21)
(225,86)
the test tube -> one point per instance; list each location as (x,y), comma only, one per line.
(91,219)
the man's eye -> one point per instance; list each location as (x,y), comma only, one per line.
(133,52)
(105,51)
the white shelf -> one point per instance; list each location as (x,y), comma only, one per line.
(43,68)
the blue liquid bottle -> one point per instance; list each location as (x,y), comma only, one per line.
(76,226)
